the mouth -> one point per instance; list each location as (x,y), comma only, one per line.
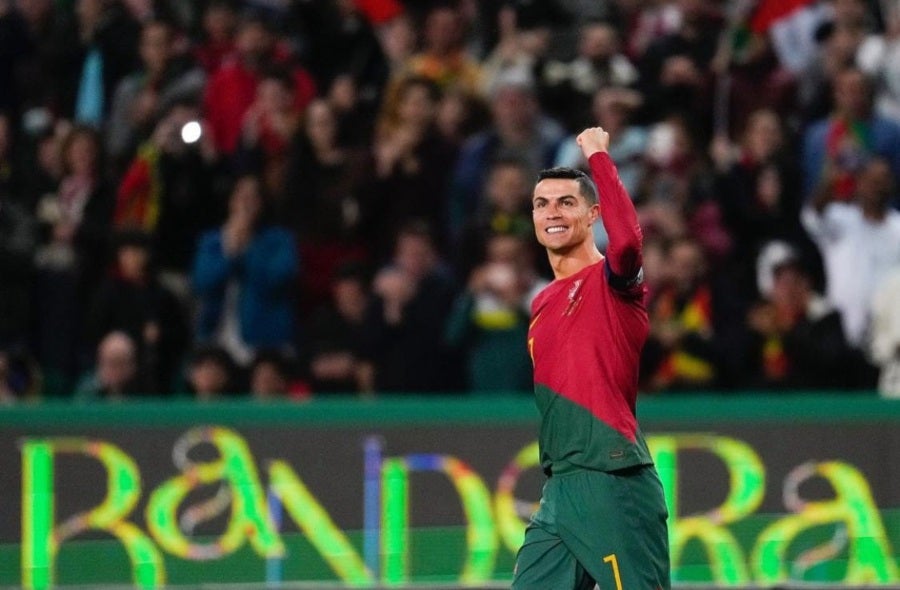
(555,229)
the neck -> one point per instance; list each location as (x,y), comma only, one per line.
(566,264)
(874,212)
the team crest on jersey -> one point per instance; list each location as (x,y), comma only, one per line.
(574,296)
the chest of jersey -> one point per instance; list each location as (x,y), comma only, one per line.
(582,331)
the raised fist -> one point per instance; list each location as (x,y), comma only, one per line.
(593,140)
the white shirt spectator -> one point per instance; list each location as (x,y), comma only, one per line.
(885,334)
(858,253)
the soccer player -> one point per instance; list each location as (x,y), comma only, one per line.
(602,517)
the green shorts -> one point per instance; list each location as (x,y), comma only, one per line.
(607,528)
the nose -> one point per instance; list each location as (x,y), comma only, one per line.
(553,211)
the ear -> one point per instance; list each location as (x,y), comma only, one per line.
(593,213)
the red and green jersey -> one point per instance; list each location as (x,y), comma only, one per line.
(585,339)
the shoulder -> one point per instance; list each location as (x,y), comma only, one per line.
(893,219)
(545,293)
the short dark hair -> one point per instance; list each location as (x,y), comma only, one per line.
(416,228)
(274,357)
(214,353)
(585,185)
(134,238)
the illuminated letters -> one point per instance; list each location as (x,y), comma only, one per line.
(869,551)
(841,538)
(747,479)
(481,533)
(249,516)
(509,519)
(317,525)
(41,542)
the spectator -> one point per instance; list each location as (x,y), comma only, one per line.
(836,148)
(675,69)
(649,21)
(211,373)
(7,394)
(612,109)
(116,373)
(397,39)
(132,301)
(443,58)
(344,172)
(750,74)
(43,159)
(355,114)
(679,353)
(164,78)
(518,130)
(412,165)
(324,202)
(18,238)
(405,325)
(20,378)
(231,91)
(567,89)
(758,189)
(337,361)
(507,210)
(342,42)
(242,276)
(676,197)
(885,335)
(71,258)
(78,214)
(859,242)
(797,341)
(879,57)
(271,378)
(268,128)
(216,43)
(460,116)
(655,265)
(673,165)
(29,47)
(489,321)
(835,49)
(173,189)
(96,51)
(521,47)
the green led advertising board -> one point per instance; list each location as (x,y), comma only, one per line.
(424,490)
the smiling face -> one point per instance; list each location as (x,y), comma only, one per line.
(562,215)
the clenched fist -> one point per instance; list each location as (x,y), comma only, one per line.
(593,140)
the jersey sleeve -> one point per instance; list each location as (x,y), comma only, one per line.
(623,254)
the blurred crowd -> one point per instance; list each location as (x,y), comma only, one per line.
(293,198)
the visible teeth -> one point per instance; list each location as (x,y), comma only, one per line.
(555,229)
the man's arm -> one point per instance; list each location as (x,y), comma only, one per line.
(623,254)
